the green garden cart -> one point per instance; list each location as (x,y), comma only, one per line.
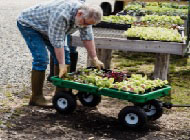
(146,106)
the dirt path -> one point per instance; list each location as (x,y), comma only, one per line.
(20,122)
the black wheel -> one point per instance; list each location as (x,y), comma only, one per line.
(106,8)
(153,109)
(89,99)
(64,103)
(118,6)
(132,117)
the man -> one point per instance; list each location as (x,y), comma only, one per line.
(46,25)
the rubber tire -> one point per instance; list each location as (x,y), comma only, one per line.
(158,107)
(118,6)
(95,101)
(142,118)
(106,9)
(71,101)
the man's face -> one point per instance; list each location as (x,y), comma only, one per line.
(81,22)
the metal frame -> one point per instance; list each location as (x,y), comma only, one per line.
(188,31)
(188,24)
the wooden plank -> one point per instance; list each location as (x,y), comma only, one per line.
(135,45)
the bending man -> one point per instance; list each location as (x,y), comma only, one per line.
(45,26)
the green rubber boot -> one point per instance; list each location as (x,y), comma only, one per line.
(74,59)
(37,98)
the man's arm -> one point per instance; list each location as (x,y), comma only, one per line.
(60,55)
(88,41)
(56,34)
(90,47)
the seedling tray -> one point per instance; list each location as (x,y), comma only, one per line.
(138,38)
(114,93)
(109,25)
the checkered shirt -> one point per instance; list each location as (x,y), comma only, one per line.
(55,19)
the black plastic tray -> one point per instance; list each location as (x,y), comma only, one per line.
(117,26)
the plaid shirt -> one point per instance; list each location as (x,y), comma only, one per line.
(55,19)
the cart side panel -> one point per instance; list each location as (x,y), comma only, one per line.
(136,98)
(157,93)
(74,85)
(122,95)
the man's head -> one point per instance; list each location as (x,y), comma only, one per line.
(88,15)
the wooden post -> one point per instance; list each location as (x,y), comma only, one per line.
(104,55)
(161,66)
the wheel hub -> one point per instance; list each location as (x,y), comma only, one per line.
(88,98)
(149,110)
(131,118)
(62,103)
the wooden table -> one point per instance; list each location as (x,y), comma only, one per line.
(108,39)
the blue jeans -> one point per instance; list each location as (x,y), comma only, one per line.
(38,46)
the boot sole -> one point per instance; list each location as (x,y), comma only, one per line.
(44,106)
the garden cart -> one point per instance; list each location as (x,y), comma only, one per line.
(146,106)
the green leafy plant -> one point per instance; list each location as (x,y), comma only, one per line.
(162,20)
(120,19)
(154,33)
(155,8)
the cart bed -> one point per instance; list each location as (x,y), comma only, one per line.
(114,93)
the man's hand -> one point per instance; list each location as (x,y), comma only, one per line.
(62,70)
(97,63)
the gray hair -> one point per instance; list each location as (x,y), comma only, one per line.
(92,11)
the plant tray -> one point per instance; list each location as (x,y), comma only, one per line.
(114,93)
(109,25)
(138,38)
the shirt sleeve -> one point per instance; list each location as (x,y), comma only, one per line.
(86,33)
(56,29)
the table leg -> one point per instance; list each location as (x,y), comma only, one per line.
(104,55)
(161,66)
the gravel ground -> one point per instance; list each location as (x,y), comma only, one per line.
(16,60)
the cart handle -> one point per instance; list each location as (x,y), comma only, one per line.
(170,105)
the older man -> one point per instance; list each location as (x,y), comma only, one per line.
(46,25)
